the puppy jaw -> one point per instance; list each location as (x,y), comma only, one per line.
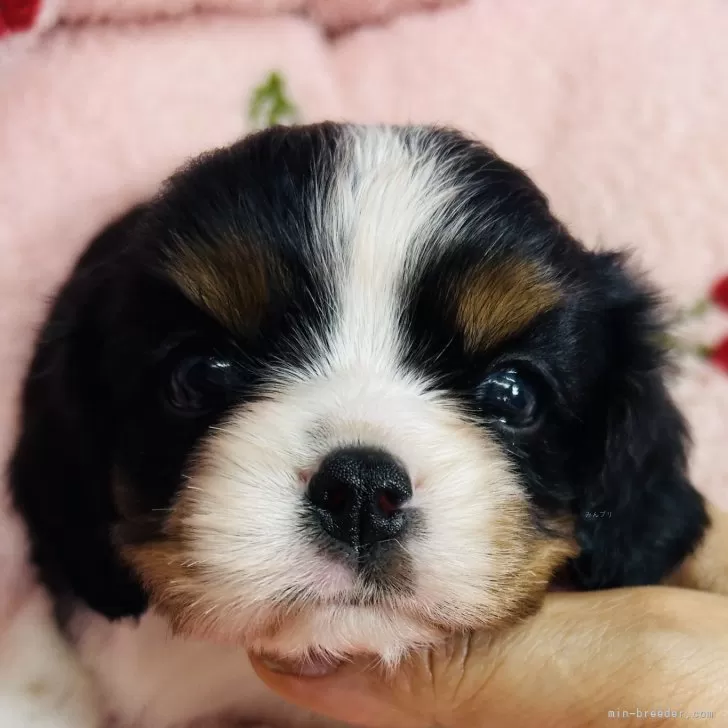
(186,596)
(236,561)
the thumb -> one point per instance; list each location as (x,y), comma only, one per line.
(430,687)
(556,668)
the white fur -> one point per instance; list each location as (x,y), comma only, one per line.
(150,679)
(130,675)
(391,192)
(43,683)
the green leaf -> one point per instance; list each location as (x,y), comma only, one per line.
(270,105)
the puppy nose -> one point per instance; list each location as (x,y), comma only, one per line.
(358,494)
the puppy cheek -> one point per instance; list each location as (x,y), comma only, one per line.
(546,543)
(195,576)
(547,558)
(518,555)
(173,579)
(483,557)
(522,587)
(169,577)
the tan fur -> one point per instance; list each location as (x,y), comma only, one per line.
(545,557)
(171,580)
(232,281)
(498,301)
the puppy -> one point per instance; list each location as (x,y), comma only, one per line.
(341,390)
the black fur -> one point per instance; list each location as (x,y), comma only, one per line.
(93,411)
(610,450)
(60,471)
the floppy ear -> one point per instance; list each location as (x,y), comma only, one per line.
(60,471)
(638,516)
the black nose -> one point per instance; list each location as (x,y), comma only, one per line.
(358,494)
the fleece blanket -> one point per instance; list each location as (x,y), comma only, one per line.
(618,110)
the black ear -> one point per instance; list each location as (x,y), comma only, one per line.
(60,472)
(638,515)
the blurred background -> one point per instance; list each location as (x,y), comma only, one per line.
(619,111)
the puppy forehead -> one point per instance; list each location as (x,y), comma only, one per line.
(361,212)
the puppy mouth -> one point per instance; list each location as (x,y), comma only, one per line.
(354,599)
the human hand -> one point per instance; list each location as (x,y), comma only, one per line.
(581,656)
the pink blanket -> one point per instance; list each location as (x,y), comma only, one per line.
(618,110)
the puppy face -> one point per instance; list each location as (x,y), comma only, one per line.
(342,389)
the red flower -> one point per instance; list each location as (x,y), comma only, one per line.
(17,15)
(718,354)
(719,292)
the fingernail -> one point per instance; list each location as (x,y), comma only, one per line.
(310,667)
(317,668)
(273,665)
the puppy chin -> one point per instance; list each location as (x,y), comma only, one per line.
(334,633)
(317,632)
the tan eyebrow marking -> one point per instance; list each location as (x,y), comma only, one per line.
(495,301)
(232,281)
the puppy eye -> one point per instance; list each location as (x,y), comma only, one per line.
(198,383)
(508,396)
